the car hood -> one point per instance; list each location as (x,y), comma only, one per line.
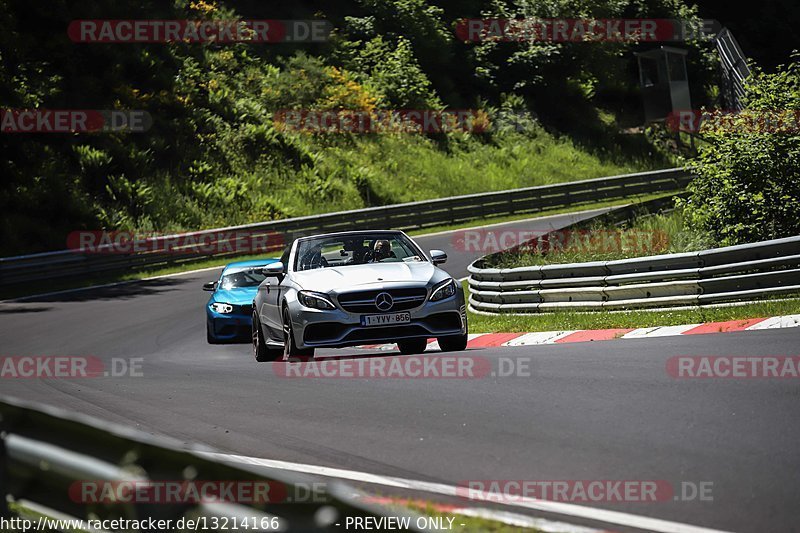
(236,296)
(366,276)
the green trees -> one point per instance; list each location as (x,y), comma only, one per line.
(748,184)
(214,155)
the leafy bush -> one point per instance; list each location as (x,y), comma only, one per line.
(390,69)
(748,182)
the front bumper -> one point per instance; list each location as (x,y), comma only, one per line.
(337,328)
(230,326)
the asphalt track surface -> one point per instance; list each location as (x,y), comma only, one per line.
(602,410)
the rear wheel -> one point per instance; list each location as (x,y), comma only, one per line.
(261,352)
(453,343)
(412,346)
(290,349)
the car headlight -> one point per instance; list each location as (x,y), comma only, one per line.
(314,300)
(443,290)
(223,308)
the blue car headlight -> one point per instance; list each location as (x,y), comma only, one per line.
(315,300)
(221,307)
(443,290)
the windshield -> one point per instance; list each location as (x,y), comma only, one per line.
(251,277)
(355,249)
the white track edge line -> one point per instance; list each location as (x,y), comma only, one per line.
(566,509)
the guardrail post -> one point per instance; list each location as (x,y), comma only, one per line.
(4,512)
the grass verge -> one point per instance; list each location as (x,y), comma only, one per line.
(647,235)
(480,222)
(461,523)
(24,513)
(631,319)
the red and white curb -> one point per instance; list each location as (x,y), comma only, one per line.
(490,340)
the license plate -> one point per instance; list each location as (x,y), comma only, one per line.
(387,319)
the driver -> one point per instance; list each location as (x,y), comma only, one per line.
(314,259)
(382,250)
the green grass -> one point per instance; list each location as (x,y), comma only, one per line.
(364,170)
(19,511)
(462,523)
(479,323)
(480,222)
(357,171)
(648,235)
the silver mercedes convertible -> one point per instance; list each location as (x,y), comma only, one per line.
(355,288)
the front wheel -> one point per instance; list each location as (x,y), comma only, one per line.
(261,352)
(412,346)
(290,349)
(453,343)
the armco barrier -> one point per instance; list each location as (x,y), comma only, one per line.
(71,264)
(743,272)
(46,453)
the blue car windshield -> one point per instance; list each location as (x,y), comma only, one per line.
(242,278)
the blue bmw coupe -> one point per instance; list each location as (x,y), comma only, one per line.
(230,308)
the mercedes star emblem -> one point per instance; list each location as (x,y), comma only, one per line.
(383,301)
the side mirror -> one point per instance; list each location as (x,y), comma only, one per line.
(273,270)
(210,286)
(438,257)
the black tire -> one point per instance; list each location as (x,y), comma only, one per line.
(453,343)
(412,346)
(261,352)
(290,349)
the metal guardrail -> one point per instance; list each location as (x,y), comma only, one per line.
(414,215)
(45,451)
(742,272)
(733,69)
